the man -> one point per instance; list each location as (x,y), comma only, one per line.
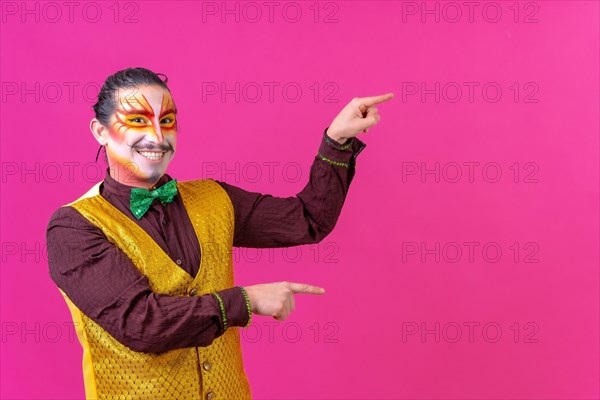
(144,262)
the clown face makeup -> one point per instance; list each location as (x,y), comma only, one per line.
(142,135)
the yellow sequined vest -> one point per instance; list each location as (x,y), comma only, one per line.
(112,370)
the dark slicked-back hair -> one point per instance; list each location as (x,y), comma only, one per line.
(124,79)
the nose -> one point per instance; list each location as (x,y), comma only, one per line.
(155,135)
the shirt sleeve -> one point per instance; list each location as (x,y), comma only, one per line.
(105,285)
(262,220)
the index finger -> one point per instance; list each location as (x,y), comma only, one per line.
(372,100)
(305,288)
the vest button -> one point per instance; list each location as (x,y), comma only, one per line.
(206,365)
(210,395)
(194,291)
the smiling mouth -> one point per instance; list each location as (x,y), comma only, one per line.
(152,155)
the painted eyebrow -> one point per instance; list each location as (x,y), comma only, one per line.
(144,112)
(135,111)
(169,111)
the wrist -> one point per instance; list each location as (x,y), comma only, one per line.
(336,141)
(333,136)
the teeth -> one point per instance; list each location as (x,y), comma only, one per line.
(152,155)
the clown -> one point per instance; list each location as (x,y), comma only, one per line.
(149,281)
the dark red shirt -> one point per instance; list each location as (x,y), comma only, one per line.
(105,285)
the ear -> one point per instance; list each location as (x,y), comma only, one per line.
(99,131)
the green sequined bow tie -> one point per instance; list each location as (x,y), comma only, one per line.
(141,198)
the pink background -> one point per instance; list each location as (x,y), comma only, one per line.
(375,289)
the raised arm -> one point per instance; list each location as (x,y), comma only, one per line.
(262,220)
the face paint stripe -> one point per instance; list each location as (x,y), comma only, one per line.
(148,132)
(146,105)
(132,108)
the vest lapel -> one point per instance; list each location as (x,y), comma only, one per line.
(199,281)
(119,222)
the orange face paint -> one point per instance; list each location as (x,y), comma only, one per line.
(135,129)
(135,112)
